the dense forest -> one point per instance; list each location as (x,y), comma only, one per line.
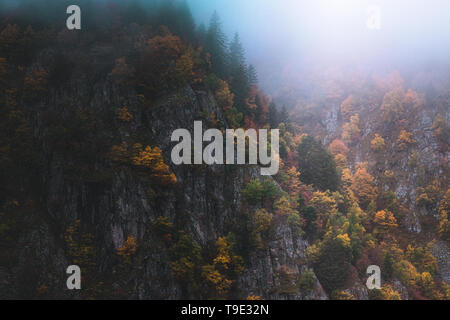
(87,178)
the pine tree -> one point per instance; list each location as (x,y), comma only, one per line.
(273,115)
(316,165)
(216,46)
(238,73)
(186,22)
(252,75)
(201,33)
(284,115)
(259,108)
(237,54)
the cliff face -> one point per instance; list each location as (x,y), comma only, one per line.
(109,204)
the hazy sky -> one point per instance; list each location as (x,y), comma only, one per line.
(296,34)
(314,31)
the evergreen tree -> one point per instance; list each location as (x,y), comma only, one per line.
(216,46)
(237,54)
(252,75)
(284,115)
(186,22)
(259,108)
(332,265)
(238,73)
(317,165)
(273,115)
(201,33)
(134,12)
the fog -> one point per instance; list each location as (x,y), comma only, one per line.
(285,39)
(299,34)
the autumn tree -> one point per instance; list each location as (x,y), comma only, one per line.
(185,257)
(124,114)
(377,144)
(385,221)
(427,197)
(128,250)
(444,223)
(392,106)
(339,151)
(362,185)
(405,139)
(350,130)
(184,67)
(413,100)
(122,74)
(422,258)
(338,147)
(225,98)
(325,207)
(226,266)
(441,130)
(262,221)
(348,106)
(292,185)
(166,46)
(152,159)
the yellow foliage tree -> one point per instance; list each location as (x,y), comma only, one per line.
(377,144)
(152,159)
(184,67)
(226,265)
(341,161)
(125,115)
(387,293)
(392,106)
(385,219)
(167,46)
(293,184)
(362,185)
(80,246)
(128,250)
(350,130)
(444,210)
(119,153)
(224,96)
(348,106)
(405,139)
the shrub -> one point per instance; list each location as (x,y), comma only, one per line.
(307,281)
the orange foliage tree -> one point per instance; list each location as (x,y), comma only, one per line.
(128,250)
(338,147)
(122,73)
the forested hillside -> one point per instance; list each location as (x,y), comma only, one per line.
(87,177)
